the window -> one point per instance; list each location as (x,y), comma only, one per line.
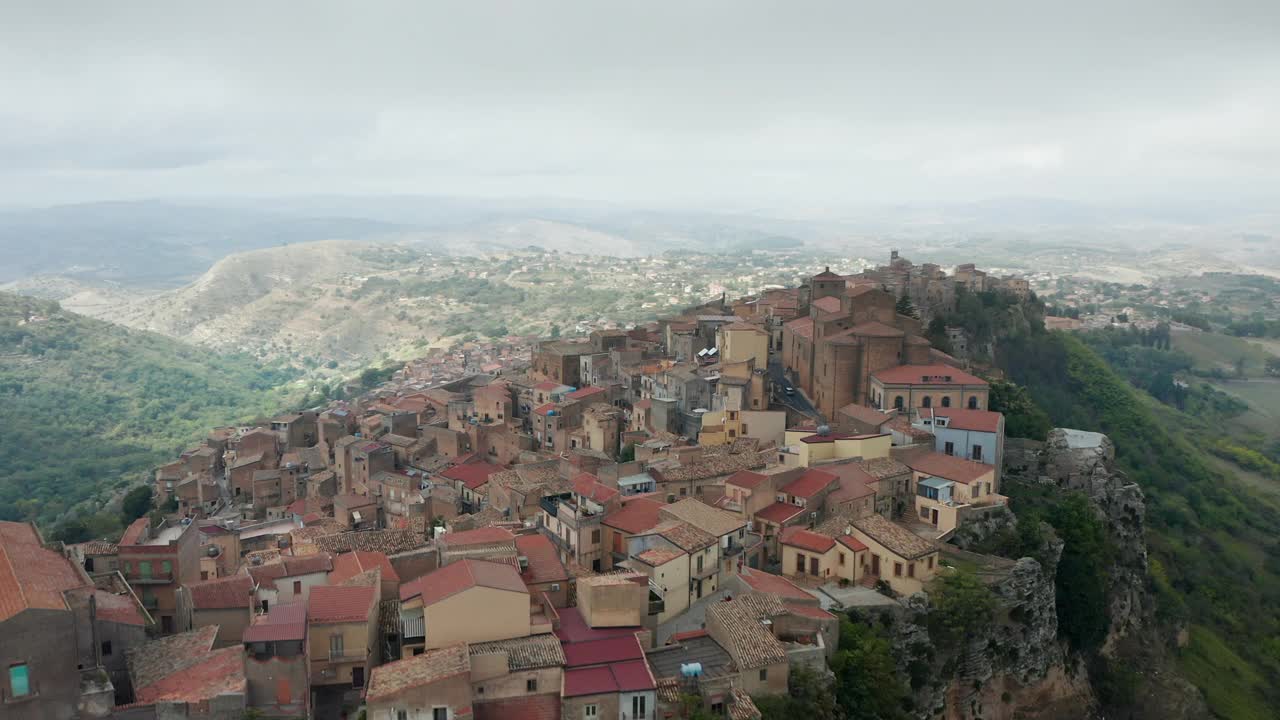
(717,708)
(590,711)
(897,569)
(335,645)
(531,685)
(946,401)
(106,648)
(144,569)
(297,587)
(166,567)
(927,402)
(841,558)
(638,709)
(929,562)
(595,536)
(977,453)
(19,680)
(439,713)
(911,570)
(764,674)
(897,402)
(480,690)
(402,715)
(949,448)
(973,402)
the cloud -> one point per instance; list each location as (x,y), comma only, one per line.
(718,104)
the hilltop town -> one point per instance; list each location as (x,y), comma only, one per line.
(634,522)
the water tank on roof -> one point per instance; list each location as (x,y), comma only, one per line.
(824,429)
(691,670)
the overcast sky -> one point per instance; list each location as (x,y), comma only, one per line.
(782,106)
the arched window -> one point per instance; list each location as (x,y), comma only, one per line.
(973,402)
(946,401)
(927,402)
(897,402)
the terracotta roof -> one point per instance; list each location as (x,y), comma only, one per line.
(741,706)
(809,484)
(865,414)
(98,547)
(118,608)
(809,611)
(545,409)
(462,575)
(704,517)
(586,485)
(830,304)
(530,707)
(284,621)
(525,653)
(479,536)
(802,326)
(341,604)
(894,537)
(659,556)
(685,536)
(875,329)
(746,479)
(548,385)
(747,641)
(31,576)
(220,672)
(472,474)
(348,565)
(636,516)
(826,274)
(388,542)
(764,582)
(430,667)
(806,539)
(779,512)
(234,591)
(947,467)
(851,542)
(585,392)
(717,465)
(884,467)
(966,419)
(689,635)
(544,561)
(927,375)
(644,404)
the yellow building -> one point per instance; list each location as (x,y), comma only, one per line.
(908,387)
(441,607)
(739,342)
(945,487)
(342,632)
(894,554)
(806,553)
(807,448)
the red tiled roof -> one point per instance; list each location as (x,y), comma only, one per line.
(966,419)
(809,484)
(764,582)
(118,608)
(472,475)
(544,561)
(598,652)
(779,512)
(344,603)
(634,517)
(809,611)
(807,540)
(234,591)
(545,409)
(134,531)
(531,707)
(585,392)
(851,542)
(746,479)
(865,414)
(630,676)
(547,385)
(348,565)
(802,326)
(927,375)
(221,672)
(479,536)
(947,467)
(285,621)
(31,576)
(460,576)
(586,485)
(829,304)
(417,671)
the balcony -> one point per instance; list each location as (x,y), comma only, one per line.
(155,578)
(550,505)
(657,604)
(345,655)
(733,550)
(705,572)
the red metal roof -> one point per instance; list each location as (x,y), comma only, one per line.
(348,565)
(598,652)
(809,484)
(544,561)
(345,603)
(234,591)
(630,676)
(966,419)
(807,540)
(779,512)
(634,517)
(574,629)
(462,575)
(947,467)
(927,375)
(473,474)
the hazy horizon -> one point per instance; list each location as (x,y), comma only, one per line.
(735,107)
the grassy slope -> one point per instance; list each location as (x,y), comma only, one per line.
(1215,350)
(88,407)
(1214,539)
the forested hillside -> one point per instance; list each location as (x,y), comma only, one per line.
(87,407)
(1214,542)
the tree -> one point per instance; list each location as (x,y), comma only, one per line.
(808,696)
(72,531)
(1022,417)
(904,307)
(868,686)
(962,607)
(137,502)
(628,453)
(1239,366)
(1082,576)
